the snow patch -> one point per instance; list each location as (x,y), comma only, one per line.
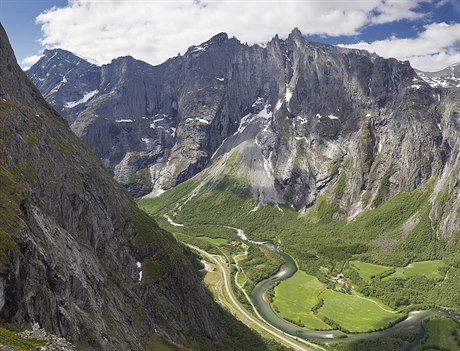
(86,97)
(139,265)
(199,48)
(201,120)
(198,119)
(278,105)
(303,120)
(220,79)
(257,102)
(152,125)
(332,117)
(146,140)
(64,80)
(439,126)
(368,115)
(247,119)
(123,120)
(416,86)
(288,95)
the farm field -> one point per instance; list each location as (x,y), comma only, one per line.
(428,269)
(296,296)
(356,314)
(368,270)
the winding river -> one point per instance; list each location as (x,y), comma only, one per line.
(412,322)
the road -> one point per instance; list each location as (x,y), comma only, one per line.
(284,338)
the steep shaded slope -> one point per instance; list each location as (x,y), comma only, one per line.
(77,256)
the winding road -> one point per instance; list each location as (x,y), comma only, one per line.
(287,339)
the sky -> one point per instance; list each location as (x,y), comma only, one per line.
(425,32)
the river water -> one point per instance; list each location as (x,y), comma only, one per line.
(413,322)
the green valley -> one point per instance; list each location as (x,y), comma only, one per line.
(385,270)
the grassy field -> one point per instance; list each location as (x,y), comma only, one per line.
(295,297)
(428,269)
(355,314)
(443,333)
(368,270)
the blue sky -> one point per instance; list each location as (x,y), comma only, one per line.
(18,18)
(427,32)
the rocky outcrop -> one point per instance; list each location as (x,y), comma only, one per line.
(53,342)
(76,254)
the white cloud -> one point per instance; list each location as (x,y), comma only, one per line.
(395,10)
(153,30)
(436,47)
(29,61)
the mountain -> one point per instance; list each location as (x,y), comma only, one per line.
(76,254)
(447,78)
(155,126)
(305,119)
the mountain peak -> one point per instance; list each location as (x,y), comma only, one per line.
(296,33)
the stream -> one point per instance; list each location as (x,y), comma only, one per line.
(413,322)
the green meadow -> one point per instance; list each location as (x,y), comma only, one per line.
(356,314)
(367,271)
(428,269)
(304,300)
(295,297)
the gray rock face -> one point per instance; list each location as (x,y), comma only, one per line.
(299,114)
(73,243)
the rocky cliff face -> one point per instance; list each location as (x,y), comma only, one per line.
(76,255)
(305,118)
